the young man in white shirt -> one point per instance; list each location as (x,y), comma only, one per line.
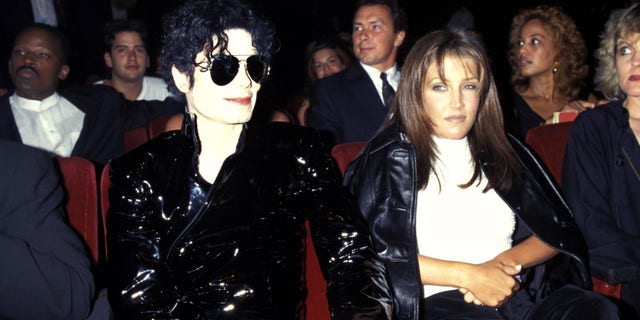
(127,55)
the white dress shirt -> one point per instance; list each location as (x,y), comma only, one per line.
(393,77)
(53,124)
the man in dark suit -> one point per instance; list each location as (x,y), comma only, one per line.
(87,121)
(350,104)
(45,271)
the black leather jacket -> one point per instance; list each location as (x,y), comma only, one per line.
(181,248)
(383,179)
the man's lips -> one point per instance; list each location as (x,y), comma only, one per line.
(365,49)
(244,101)
(27,72)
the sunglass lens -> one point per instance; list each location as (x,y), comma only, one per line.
(223,69)
(257,68)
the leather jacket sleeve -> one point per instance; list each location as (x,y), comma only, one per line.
(357,283)
(141,284)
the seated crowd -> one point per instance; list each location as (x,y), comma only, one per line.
(418,188)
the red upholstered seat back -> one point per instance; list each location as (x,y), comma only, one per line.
(549,143)
(80,182)
(157,126)
(344,153)
(135,138)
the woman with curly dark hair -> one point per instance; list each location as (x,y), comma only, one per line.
(547,55)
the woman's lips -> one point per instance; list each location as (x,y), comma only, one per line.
(634,77)
(456,119)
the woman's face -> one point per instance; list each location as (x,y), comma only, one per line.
(628,64)
(326,62)
(536,53)
(452,103)
(231,103)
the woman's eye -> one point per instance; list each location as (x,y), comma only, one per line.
(623,51)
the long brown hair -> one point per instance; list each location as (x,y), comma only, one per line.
(486,134)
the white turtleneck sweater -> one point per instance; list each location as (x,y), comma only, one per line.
(458,224)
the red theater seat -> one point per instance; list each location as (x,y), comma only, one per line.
(549,143)
(80,182)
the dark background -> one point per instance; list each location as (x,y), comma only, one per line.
(298,22)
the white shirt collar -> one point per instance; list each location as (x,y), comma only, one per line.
(35,105)
(393,75)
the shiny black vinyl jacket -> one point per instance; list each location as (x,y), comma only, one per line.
(383,180)
(182,248)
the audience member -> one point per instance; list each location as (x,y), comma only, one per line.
(467,222)
(87,121)
(352,104)
(208,222)
(547,55)
(127,56)
(18,14)
(600,173)
(46,272)
(324,57)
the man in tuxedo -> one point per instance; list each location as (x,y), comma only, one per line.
(86,121)
(351,104)
(46,273)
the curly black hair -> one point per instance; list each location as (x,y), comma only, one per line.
(195,23)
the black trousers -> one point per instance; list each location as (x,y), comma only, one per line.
(569,302)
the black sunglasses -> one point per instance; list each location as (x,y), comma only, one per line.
(224,68)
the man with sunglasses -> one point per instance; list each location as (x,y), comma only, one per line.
(208,222)
(87,121)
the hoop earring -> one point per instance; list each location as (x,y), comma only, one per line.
(555,67)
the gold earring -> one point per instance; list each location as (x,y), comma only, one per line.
(555,67)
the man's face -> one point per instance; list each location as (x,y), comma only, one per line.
(228,104)
(36,64)
(375,42)
(128,58)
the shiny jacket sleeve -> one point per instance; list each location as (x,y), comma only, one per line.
(140,280)
(45,271)
(357,283)
(602,189)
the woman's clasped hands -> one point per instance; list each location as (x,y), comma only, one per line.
(491,283)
